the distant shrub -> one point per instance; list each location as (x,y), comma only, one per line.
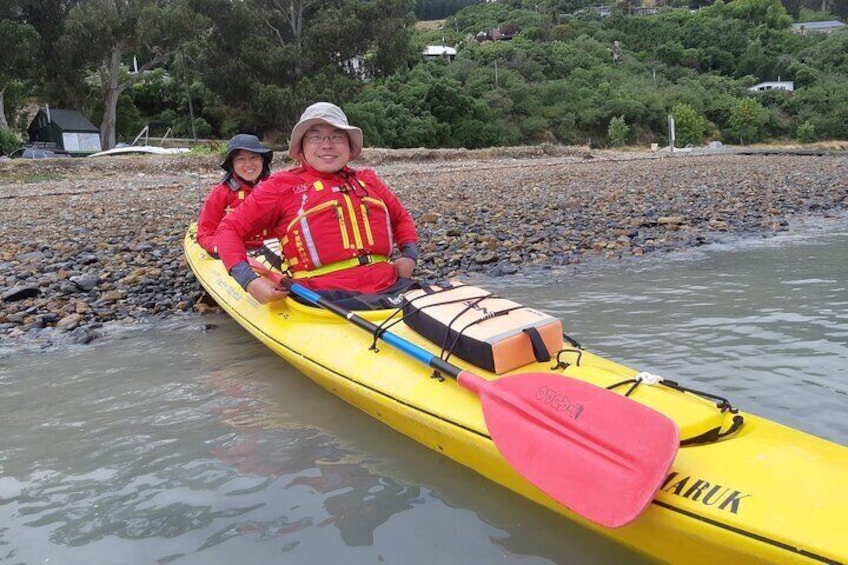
(9,141)
(806,133)
(618,131)
(204,150)
(689,125)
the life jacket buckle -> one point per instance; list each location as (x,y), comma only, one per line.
(365,259)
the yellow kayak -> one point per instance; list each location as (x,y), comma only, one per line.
(741,489)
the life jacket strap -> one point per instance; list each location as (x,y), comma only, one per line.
(340,266)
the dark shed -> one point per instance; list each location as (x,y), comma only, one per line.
(68,129)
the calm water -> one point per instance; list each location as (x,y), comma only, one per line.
(193,444)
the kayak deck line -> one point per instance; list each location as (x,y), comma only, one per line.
(764,493)
(616,457)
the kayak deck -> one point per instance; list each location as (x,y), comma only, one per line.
(765,492)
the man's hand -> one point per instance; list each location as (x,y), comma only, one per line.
(404,267)
(264,291)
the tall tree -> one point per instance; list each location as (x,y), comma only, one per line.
(59,73)
(269,59)
(285,20)
(393,21)
(18,42)
(109,33)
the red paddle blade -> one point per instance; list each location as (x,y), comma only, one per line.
(596,452)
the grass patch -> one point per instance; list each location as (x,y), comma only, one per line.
(28,176)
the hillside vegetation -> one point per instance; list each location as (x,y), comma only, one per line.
(526,72)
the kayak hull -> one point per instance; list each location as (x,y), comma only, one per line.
(765,493)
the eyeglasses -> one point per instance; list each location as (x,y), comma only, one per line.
(336,138)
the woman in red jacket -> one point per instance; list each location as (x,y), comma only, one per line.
(342,231)
(247,162)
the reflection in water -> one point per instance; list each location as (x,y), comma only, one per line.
(362,501)
(356,500)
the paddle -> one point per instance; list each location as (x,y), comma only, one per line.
(598,453)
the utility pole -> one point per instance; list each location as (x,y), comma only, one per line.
(188,96)
(671,138)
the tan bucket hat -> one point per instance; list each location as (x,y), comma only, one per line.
(326,113)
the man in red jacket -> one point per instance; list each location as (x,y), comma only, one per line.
(340,228)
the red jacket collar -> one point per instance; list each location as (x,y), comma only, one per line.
(341,174)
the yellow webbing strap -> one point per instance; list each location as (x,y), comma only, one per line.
(340,266)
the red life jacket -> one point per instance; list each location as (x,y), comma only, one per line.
(341,222)
(335,229)
(222,200)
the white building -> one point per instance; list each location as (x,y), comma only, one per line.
(433,52)
(773,85)
(817,27)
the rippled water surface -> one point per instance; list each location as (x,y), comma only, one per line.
(193,444)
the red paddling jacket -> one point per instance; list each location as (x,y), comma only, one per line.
(337,230)
(222,200)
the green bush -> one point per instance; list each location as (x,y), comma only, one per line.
(806,132)
(8,141)
(205,150)
(747,118)
(689,125)
(618,131)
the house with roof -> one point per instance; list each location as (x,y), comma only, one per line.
(435,52)
(817,27)
(778,84)
(66,129)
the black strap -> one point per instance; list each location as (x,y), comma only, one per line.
(274,259)
(714,434)
(427,287)
(540,350)
(560,364)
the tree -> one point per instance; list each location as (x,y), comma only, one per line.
(392,22)
(258,63)
(8,141)
(440,9)
(285,20)
(106,32)
(746,120)
(269,59)
(618,131)
(770,13)
(18,44)
(806,132)
(57,75)
(689,125)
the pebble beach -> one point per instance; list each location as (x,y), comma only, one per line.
(91,245)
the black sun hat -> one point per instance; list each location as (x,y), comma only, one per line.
(247,142)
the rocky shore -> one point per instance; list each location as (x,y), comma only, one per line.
(90,243)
